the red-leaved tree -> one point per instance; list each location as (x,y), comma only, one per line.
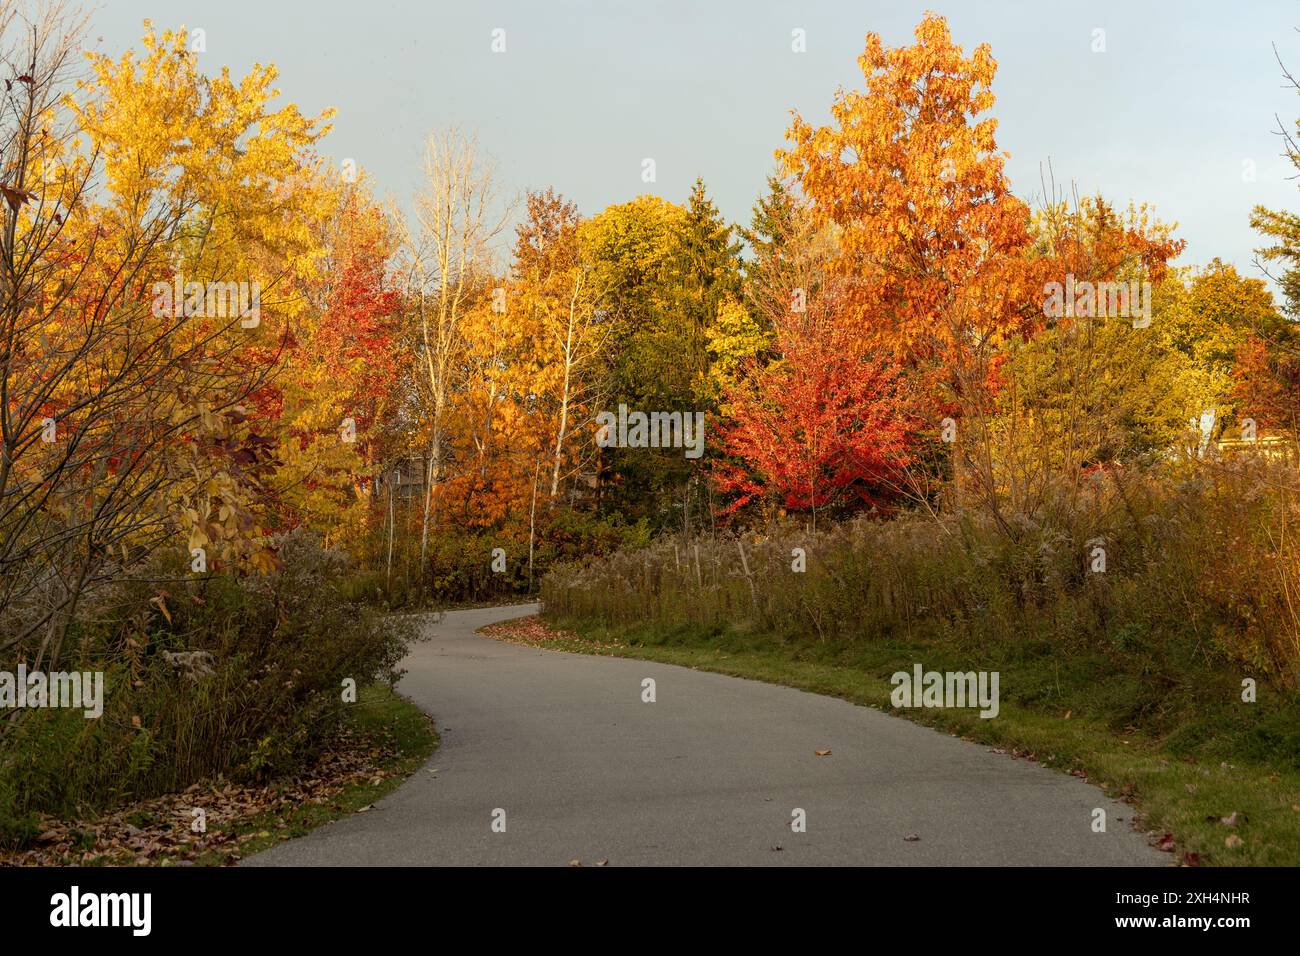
(829,424)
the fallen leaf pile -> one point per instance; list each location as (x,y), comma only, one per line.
(534,632)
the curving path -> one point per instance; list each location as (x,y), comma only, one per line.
(709,774)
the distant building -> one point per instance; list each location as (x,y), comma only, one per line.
(405,476)
(1270,446)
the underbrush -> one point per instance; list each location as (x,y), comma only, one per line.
(462,565)
(1162,576)
(266,688)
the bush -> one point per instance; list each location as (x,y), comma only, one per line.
(458,562)
(281,646)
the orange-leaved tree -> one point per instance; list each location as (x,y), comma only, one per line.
(931,240)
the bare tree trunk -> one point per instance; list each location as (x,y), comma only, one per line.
(532,525)
(431,471)
(389,577)
(562,431)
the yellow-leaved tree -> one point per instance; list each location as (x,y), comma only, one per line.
(153,219)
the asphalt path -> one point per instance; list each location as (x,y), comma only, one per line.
(550,757)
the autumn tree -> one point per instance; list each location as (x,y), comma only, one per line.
(1266,388)
(1208,316)
(948,269)
(1280,227)
(448,265)
(785,269)
(337,398)
(141,212)
(558,290)
(1266,378)
(789,253)
(929,235)
(1097,384)
(828,425)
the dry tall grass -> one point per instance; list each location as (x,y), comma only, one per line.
(1199,556)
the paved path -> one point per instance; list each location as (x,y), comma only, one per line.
(709,774)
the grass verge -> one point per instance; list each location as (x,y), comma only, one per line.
(1205,774)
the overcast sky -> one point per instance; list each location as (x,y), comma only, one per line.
(1183,95)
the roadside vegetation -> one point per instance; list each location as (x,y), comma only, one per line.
(246,680)
(378,743)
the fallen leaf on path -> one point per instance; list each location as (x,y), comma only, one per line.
(822,753)
(912,838)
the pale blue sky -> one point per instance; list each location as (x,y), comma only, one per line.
(1183,94)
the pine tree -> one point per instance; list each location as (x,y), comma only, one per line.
(709,272)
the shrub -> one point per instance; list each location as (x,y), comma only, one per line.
(281,646)
(458,561)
